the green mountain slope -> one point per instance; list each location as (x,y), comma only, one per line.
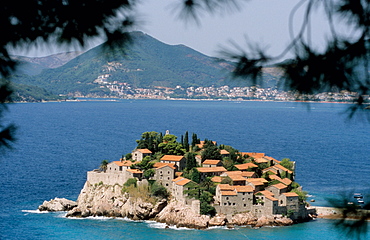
(147,63)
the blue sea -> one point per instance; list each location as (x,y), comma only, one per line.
(59,142)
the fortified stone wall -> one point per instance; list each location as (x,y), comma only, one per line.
(106,178)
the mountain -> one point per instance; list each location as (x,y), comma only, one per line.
(35,65)
(146,63)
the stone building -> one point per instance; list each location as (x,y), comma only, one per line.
(179,161)
(233,199)
(139,154)
(164,173)
(179,185)
(212,163)
(210,172)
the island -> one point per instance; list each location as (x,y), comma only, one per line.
(192,183)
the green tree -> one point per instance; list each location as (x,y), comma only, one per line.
(210,151)
(285,162)
(170,146)
(103,165)
(158,190)
(186,141)
(195,175)
(149,140)
(190,160)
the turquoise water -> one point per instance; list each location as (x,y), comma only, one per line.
(59,142)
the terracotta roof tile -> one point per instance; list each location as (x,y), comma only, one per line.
(282,168)
(216,179)
(183,182)
(123,163)
(144,150)
(161,165)
(228,193)
(224,152)
(244,188)
(173,158)
(291,194)
(211,169)
(261,160)
(279,186)
(248,174)
(245,166)
(211,162)
(255,155)
(134,170)
(225,187)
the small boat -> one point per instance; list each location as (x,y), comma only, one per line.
(357,195)
(360,201)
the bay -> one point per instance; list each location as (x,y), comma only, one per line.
(59,142)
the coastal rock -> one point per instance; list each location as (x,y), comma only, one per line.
(242,219)
(283,221)
(265,221)
(181,215)
(57,204)
(218,220)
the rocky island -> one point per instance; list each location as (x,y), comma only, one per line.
(191,183)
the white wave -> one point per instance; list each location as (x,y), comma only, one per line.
(99,218)
(159,225)
(35,211)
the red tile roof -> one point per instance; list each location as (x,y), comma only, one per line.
(134,170)
(144,150)
(224,152)
(248,174)
(211,169)
(161,165)
(216,179)
(244,188)
(123,163)
(211,162)
(245,166)
(173,158)
(225,187)
(279,186)
(254,154)
(228,193)
(291,194)
(183,182)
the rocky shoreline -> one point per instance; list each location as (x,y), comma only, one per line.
(109,201)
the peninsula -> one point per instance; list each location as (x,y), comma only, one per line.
(193,183)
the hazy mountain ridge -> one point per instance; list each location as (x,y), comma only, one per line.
(147,63)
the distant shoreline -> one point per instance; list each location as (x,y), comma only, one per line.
(337,213)
(115,99)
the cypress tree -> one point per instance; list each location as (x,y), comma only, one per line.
(186,141)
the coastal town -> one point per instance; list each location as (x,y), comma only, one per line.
(127,91)
(255,183)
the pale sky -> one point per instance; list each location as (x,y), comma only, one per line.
(265,22)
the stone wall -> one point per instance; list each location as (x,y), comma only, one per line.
(107,178)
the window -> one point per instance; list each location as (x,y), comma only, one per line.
(227,198)
(245,205)
(120,168)
(243,199)
(168,172)
(233,204)
(168,178)
(166,184)
(225,204)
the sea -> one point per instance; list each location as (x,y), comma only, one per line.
(58,142)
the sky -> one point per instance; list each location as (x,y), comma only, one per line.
(262,22)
